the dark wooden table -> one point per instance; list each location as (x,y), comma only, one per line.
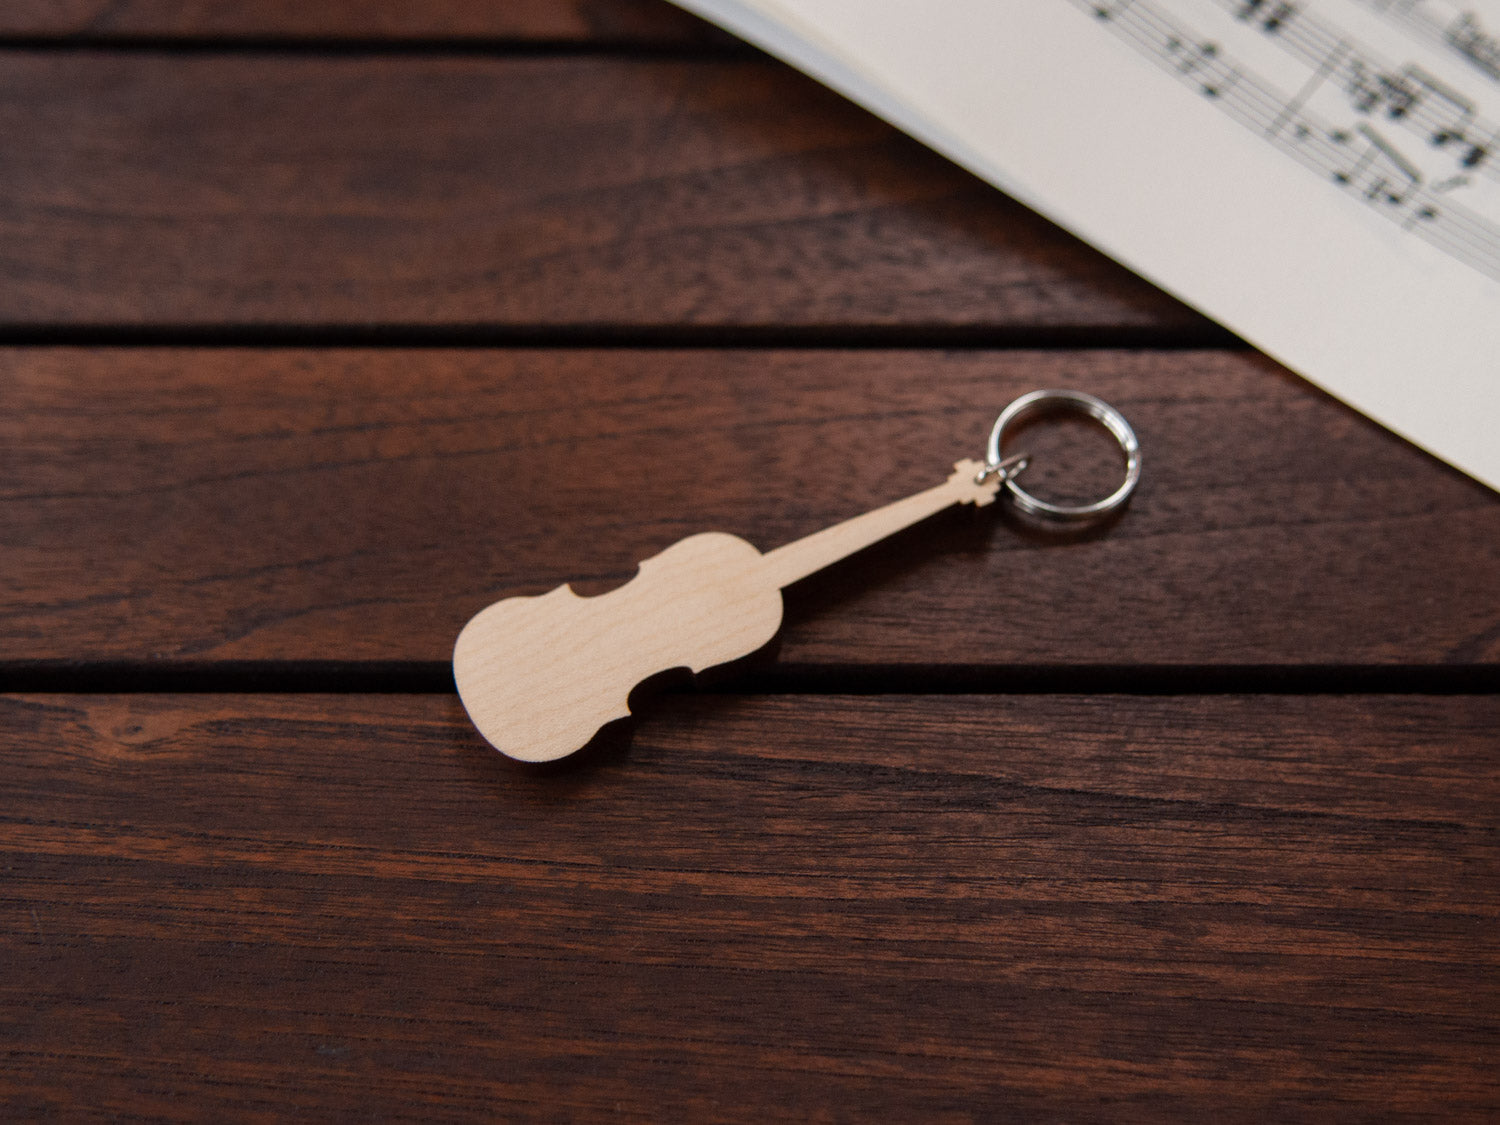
(324,325)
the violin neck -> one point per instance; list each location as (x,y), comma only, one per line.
(798,559)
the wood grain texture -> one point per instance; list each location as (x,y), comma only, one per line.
(638,22)
(743,908)
(582,193)
(171,505)
(1237,908)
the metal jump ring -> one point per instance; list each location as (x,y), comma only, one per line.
(1048,402)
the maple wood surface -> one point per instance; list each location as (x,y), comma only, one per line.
(892,907)
(601,193)
(186,504)
(1185,901)
(586,22)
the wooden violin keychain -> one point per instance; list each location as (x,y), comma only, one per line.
(540,676)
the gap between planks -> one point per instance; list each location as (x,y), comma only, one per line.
(624,337)
(710,49)
(415,677)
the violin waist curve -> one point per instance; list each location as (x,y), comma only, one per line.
(540,675)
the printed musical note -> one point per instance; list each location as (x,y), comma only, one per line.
(1272,16)
(1202,62)
(1479,46)
(1477,151)
(1446,24)
(1418,168)
(1378,172)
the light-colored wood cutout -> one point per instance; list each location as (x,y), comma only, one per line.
(540,676)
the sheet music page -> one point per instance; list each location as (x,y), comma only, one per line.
(1321,176)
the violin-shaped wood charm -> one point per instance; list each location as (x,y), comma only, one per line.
(540,676)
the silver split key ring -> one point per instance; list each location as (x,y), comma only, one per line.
(1054,402)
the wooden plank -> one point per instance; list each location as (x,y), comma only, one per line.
(491,194)
(921,908)
(643,22)
(185,505)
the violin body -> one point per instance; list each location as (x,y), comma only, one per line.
(540,675)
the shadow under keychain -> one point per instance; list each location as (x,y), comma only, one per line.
(540,676)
